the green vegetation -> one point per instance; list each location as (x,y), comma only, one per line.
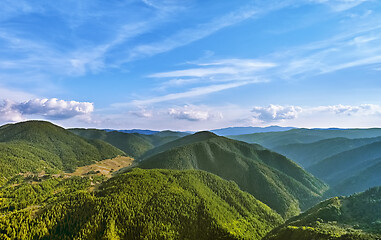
(270,177)
(351,171)
(273,140)
(133,144)
(35,146)
(140,204)
(354,217)
(307,154)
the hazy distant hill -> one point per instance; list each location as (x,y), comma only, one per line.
(270,177)
(307,154)
(343,170)
(248,130)
(357,217)
(141,204)
(38,145)
(275,139)
(140,131)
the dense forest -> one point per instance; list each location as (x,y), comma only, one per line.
(140,204)
(270,177)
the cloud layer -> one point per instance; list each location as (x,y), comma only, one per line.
(53,109)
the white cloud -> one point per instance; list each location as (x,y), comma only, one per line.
(53,109)
(276,112)
(8,113)
(190,113)
(273,113)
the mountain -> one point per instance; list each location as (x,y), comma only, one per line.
(248,130)
(345,168)
(357,217)
(37,145)
(307,154)
(273,140)
(140,204)
(133,144)
(140,131)
(270,177)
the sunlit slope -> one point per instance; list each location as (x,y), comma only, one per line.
(357,217)
(270,177)
(36,146)
(144,204)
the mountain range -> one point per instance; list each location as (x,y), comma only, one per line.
(189,186)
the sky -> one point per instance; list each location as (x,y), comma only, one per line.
(191,64)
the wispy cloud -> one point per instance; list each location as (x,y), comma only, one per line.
(191,93)
(340,5)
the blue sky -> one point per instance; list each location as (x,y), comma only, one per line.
(191,65)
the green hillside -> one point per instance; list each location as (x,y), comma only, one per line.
(307,154)
(141,204)
(350,165)
(36,145)
(270,177)
(275,139)
(133,144)
(357,217)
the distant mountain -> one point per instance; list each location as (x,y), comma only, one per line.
(270,177)
(307,154)
(37,145)
(248,130)
(357,217)
(343,170)
(133,144)
(141,204)
(274,140)
(140,131)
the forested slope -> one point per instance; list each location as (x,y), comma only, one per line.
(34,146)
(141,204)
(357,217)
(270,177)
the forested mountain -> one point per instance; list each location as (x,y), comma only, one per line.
(36,145)
(273,140)
(351,171)
(357,217)
(248,130)
(133,144)
(270,177)
(307,154)
(141,204)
